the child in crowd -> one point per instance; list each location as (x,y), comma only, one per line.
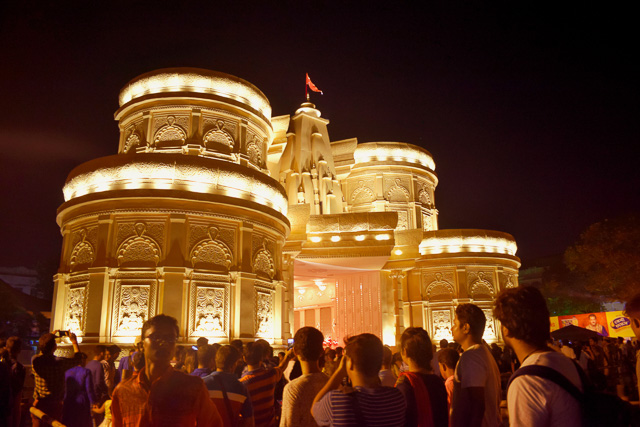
(106,410)
(423,391)
(387,378)
(447,360)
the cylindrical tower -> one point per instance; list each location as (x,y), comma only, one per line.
(185,220)
(394,177)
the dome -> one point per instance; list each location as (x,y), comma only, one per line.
(199,82)
(393,152)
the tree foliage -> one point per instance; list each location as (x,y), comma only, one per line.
(563,294)
(605,261)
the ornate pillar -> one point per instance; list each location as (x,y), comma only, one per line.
(397,276)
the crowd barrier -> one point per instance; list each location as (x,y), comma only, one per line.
(45,418)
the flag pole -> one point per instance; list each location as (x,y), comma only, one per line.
(306,88)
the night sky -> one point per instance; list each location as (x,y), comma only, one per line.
(530,111)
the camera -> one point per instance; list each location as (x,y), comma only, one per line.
(62,334)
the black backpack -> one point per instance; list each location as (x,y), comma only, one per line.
(598,408)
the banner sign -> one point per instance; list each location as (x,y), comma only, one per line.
(606,324)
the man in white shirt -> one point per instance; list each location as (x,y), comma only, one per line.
(534,401)
(476,382)
(299,394)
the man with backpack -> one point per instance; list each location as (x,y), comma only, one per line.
(534,400)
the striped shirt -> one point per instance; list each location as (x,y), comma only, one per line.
(378,407)
(261,384)
(236,392)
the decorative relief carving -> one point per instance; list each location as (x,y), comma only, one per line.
(139,250)
(439,289)
(263,261)
(132,141)
(230,126)
(82,255)
(441,324)
(397,192)
(438,285)
(162,119)
(254,150)
(211,252)
(397,275)
(199,232)
(133,308)
(154,230)
(403,221)
(76,301)
(427,224)
(511,282)
(264,314)
(210,312)
(489,328)
(508,279)
(481,288)
(362,193)
(171,132)
(423,196)
(218,135)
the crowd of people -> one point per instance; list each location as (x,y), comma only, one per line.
(364,384)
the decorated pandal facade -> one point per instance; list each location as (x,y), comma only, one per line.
(243,225)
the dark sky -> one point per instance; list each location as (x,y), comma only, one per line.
(530,111)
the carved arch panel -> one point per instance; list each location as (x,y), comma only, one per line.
(212,253)
(76,304)
(139,250)
(263,262)
(265,313)
(439,285)
(134,302)
(218,137)
(209,306)
(481,285)
(83,253)
(440,319)
(170,135)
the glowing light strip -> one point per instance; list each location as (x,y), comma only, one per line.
(393,151)
(478,244)
(172,176)
(194,82)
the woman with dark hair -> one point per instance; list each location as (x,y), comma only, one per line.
(424,391)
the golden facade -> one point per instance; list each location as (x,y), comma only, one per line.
(241,225)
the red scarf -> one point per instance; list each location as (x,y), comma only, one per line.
(423,402)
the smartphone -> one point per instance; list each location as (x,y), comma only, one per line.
(63,333)
(194,347)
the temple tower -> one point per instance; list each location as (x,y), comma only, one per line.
(185,220)
(306,167)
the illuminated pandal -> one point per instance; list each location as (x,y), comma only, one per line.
(198,81)
(433,245)
(395,151)
(174,176)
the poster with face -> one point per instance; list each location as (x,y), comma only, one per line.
(606,324)
(596,322)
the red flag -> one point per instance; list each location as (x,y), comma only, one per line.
(312,86)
